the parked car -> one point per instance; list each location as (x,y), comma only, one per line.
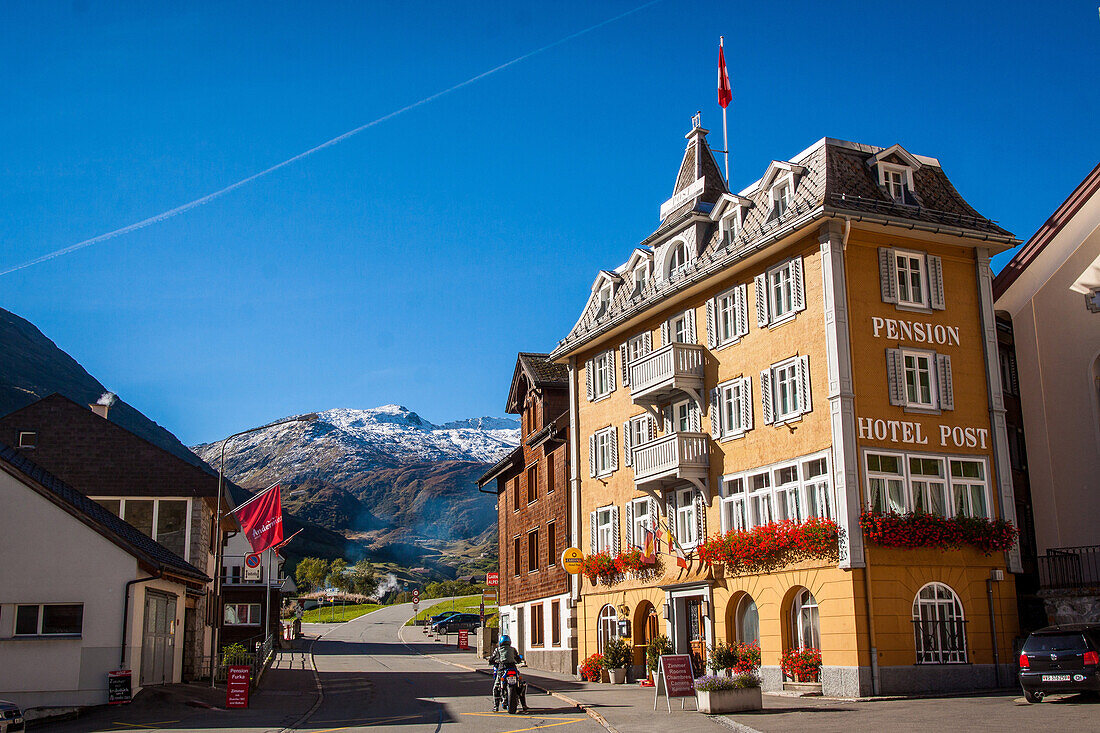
(1061,659)
(11,717)
(440,616)
(458,622)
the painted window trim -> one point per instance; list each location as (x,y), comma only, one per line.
(804,484)
(907,481)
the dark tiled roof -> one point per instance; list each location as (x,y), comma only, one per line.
(500,466)
(543,372)
(126,536)
(837,180)
(100,457)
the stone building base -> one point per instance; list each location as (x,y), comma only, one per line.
(901,680)
(1071,608)
(562,661)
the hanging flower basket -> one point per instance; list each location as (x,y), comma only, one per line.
(912,530)
(771,546)
(608,569)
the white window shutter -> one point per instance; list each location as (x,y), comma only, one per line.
(610,366)
(625,364)
(592,455)
(594,529)
(655,524)
(766,396)
(689,318)
(895,376)
(589,379)
(648,341)
(715,414)
(614,435)
(741,302)
(628,525)
(614,530)
(652,428)
(746,403)
(700,516)
(935,283)
(665,338)
(947,390)
(761,285)
(798,285)
(628,436)
(670,514)
(888,275)
(712,341)
(804,384)
(695,419)
(667,412)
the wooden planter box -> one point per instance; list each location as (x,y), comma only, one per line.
(729,701)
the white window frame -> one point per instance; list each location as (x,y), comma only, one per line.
(906,174)
(605,524)
(28,439)
(681,416)
(929,360)
(904,502)
(640,521)
(39,630)
(972,488)
(732,395)
(674,269)
(603,365)
(687,519)
(781,204)
(603,299)
(921,260)
(156,514)
(640,276)
(676,322)
(805,620)
(607,626)
(943,608)
(730,225)
(639,430)
(636,347)
(782,279)
(787,366)
(923,485)
(786,493)
(258,614)
(763,505)
(605,445)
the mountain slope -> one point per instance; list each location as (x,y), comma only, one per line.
(32,367)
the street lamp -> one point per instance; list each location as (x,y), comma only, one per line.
(217,615)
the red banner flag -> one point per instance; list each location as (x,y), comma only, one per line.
(261,519)
(725,92)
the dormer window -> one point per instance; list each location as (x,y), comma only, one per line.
(895,185)
(605,300)
(730,227)
(28,439)
(677,261)
(781,199)
(641,277)
(897,180)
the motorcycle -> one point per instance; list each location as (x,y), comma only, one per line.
(509,690)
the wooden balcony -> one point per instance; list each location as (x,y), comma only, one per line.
(670,460)
(662,374)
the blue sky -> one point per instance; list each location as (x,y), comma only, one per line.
(409,263)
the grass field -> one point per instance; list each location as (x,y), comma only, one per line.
(335,614)
(466,604)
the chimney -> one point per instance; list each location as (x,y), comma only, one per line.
(103,405)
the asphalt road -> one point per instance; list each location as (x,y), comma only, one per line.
(374,681)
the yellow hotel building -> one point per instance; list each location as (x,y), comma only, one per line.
(818,345)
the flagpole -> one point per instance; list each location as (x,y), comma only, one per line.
(725,137)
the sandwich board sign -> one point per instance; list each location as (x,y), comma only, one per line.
(236,686)
(118,687)
(676,677)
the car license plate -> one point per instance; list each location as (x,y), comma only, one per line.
(1055,678)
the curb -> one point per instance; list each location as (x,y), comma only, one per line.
(317,685)
(587,710)
(731,723)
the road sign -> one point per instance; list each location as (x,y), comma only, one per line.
(489,597)
(572,560)
(463,639)
(236,686)
(492,579)
(252,570)
(675,675)
(416,597)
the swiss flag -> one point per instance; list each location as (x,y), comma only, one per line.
(261,519)
(725,92)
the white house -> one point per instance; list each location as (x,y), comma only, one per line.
(82,593)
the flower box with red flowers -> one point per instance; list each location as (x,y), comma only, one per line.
(913,529)
(771,546)
(802,665)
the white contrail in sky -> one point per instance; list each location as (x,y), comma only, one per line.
(245,181)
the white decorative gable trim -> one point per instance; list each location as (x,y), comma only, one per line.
(778,169)
(910,160)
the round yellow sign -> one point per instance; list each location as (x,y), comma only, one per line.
(571,560)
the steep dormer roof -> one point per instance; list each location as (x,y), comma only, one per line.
(699,179)
(534,370)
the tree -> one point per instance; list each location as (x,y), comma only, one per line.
(337,574)
(310,573)
(363,578)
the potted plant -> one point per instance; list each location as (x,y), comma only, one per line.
(804,667)
(616,656)
(657,646)
(592,668)
(728,694)
(723,657)
(748,657)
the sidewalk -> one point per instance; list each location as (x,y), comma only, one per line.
(629,708)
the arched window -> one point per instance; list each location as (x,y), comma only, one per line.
(748,621)
(607,626)
(805,626)
(939,625)
(677,259)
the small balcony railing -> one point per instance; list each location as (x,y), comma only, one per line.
(1070,567)
(657,375)
(672,458)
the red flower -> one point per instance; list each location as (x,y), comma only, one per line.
(773,545)
(912,530)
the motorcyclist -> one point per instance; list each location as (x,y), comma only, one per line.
(503,658)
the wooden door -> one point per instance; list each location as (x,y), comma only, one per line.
(697,634)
